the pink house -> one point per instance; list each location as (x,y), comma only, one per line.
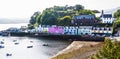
(56,30)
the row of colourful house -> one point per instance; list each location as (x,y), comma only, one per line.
(81,25)
(73,30)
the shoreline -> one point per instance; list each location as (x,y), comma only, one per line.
(65,37)
(79,50)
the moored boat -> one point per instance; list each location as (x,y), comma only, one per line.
(30,46)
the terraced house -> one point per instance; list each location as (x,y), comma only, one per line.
(70,30)
(82,25)
(102,31)
(84,20)
(84,30)
(56,30)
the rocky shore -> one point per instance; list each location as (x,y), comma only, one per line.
(79,50)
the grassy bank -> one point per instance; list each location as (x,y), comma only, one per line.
(79,50)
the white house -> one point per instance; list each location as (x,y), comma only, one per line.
(102,30)
(70,30)
(84,30)
(107,18)
(41,29)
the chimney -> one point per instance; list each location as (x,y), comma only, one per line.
(102,13)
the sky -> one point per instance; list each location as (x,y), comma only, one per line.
(25,8)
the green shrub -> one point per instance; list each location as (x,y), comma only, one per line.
(111,50)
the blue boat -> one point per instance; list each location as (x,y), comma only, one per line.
(0,32)
(1,46)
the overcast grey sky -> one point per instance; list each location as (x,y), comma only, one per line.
(25,8)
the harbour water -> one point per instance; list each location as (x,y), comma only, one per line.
(38,51)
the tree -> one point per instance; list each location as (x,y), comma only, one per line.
(30,26)
(116,25)
(111,50)
(57,15)
(65,21)
(86,12)
(48,18)
(39,19)
(33,21)
(33,18)
(79,7)
(117,14)
(98,19)
(95,11)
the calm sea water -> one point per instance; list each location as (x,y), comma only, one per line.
(20,51)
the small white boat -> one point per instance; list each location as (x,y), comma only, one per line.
(31,41)
(8,54)
(1,42)
(45,44)
(29,46)
(1,46)
(16,43)
(14,40)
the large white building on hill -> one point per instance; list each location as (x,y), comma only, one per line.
(107,18)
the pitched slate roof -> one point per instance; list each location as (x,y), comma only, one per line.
(84,17)
(106,15)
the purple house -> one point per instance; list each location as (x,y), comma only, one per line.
(56,30)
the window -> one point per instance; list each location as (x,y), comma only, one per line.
(109,29)
(105,29)
(100,29)
(86,33)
